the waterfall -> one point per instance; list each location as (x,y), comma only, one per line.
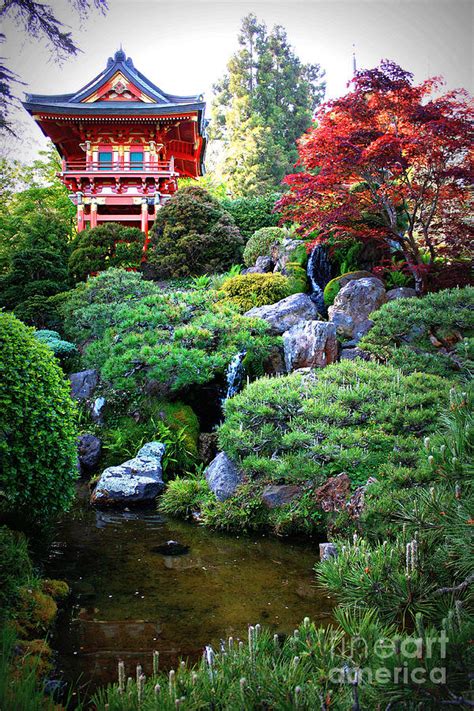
(319,272)
(234,375)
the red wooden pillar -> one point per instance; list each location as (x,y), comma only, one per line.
(93,214)
(144,221)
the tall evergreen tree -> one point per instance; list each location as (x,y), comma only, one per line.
(262,105)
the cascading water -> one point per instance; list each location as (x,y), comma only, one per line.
(234,375)
(319,272)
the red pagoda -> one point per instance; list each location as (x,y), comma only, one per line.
(123,142)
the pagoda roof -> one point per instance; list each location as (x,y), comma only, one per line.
(91,100)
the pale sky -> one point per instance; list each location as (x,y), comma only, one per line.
(183,45)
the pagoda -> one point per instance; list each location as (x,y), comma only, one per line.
(123,142)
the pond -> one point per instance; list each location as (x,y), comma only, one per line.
(130,596)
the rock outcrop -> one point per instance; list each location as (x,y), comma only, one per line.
(136,481)
(223,476)
(286,313)
(89,449)
(353,305)
(402,292)
(310,344)
(334,493)
(83,384)
(276,495)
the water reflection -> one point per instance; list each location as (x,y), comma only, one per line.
(128,599)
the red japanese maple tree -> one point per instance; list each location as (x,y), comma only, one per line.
(389,160)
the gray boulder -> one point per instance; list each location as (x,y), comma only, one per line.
(310,344)
(402,292)
(327,550)
(138,480)
(89,449)
(353,305)
(83,384)
(353,354)
(276,495)
(222,476)
(286,313)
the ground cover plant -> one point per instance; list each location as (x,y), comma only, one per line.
(140,336)
(433,334)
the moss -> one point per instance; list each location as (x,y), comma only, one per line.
(36,655)
(36,610)
(297,277)
(58,589)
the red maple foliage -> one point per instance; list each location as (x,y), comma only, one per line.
(390,160)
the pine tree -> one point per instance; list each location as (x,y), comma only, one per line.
(261,106)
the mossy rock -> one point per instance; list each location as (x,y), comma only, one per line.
(333,287)
(297,277)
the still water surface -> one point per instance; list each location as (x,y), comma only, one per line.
(129,599)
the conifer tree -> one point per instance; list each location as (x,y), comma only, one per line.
(261,106)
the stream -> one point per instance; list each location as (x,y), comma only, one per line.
(128,598)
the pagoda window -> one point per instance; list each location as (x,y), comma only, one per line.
(105,160)
(136,160)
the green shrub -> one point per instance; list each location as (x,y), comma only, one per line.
(110,245)
(248,290)
(260,243)
(37,426)
(351,416)
(253,213)
(434,334)
(42,312)
(33,272)
(192,235)
(183,497)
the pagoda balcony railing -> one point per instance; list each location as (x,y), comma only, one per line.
(165,167)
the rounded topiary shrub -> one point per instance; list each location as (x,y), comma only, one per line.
(248,290)
(260,243)
(193,235)
(434,334)
(37,426)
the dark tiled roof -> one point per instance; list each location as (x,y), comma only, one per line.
(73,103)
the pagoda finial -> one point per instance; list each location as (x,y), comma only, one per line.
(354,61)
(120,55)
